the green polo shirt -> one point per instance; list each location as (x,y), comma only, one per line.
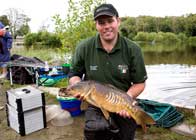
(122,67)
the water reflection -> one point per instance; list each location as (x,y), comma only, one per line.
(168,53)
(175,57)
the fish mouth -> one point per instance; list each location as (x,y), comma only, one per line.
(64,92)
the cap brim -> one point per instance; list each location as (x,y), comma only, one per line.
(104,14)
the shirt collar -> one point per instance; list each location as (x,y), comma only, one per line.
(98,44)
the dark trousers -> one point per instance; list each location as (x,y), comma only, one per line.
(98,128)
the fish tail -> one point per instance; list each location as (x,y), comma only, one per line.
(144,119)
(144,127)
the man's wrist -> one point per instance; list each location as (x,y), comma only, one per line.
(130,95)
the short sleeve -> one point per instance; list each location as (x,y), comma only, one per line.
(138,70)
(77,65)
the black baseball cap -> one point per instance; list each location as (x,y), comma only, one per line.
(105,9)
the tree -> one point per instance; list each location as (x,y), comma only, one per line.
(24,29)
(4,20)
(191,25)
(17,19)
(128,27)
(78,24)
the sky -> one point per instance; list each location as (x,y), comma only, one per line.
(41,11)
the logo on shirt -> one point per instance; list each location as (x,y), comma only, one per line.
(92,68)
(123,68)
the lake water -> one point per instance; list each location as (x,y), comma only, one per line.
(171,78)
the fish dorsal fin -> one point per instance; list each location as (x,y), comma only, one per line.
(111,86)
(114,88)
(105,113)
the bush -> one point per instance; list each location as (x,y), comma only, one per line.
(141,36)
(151,36)
(170,38)
(42,38)
(192,41)
(165,38)
(159,37)
(53,41)
(30,39)
(183,38)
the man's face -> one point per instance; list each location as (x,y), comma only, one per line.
(107,26)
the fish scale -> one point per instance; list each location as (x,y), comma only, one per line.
(112,98)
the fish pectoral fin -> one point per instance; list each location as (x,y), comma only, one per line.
(84,105)
(105,113)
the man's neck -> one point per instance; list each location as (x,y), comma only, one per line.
(108,45)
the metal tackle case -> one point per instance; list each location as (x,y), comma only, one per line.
(25,110)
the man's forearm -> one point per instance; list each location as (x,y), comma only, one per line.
(136,89)
(2,32)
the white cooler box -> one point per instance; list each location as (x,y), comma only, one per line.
(26,110)
(26,122)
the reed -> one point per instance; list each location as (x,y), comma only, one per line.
(45,54)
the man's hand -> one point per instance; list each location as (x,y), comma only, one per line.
(124,114)
(79,97)
(73,80)
(2,32)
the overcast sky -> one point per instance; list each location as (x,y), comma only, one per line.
(41,11)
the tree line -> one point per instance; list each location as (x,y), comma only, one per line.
(185,24)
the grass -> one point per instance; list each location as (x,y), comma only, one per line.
(62,83)
(189,116)
(158,133)
(45,54)
(50,99)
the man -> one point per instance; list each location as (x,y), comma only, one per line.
(109,58)
(6,45)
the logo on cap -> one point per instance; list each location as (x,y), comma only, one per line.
(105,9)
